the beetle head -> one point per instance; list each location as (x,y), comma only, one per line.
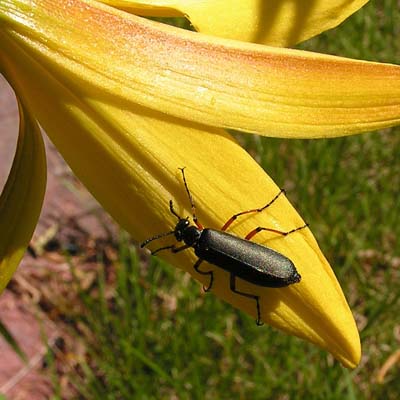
(180,228)
(186,232)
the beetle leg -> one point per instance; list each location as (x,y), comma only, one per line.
(260,228)
(178,249)
(254,210)
(161,249)
(196,267)
(251,296)
(173,248)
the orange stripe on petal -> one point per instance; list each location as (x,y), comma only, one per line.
(228,84)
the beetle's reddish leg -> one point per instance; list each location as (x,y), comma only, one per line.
(254,210)
(260,228)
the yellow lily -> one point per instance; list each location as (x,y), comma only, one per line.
(128,101)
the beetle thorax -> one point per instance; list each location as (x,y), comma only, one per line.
(190,234)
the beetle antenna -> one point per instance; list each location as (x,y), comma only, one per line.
(171,207)
(190,198)
(146,242)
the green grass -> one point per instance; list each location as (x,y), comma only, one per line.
(162,339)
(157,337)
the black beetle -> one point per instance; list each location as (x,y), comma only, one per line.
(242,258)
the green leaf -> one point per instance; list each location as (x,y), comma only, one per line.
(22,196)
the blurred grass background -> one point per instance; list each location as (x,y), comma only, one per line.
(150,333)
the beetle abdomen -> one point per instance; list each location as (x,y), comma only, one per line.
(247,260)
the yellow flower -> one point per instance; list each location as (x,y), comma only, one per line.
(128,101)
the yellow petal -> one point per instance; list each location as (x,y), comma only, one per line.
(22,197)
(271,91)
(272,22)
(128,156)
